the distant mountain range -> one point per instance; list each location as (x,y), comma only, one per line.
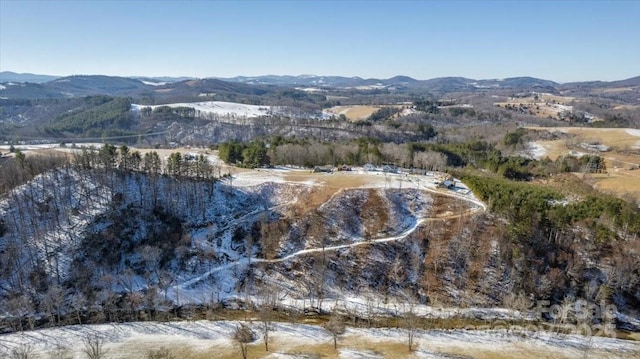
(457,83)
(8,76)
(86,85)
(32,86)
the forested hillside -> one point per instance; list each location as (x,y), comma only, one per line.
(101,116)
(116,235)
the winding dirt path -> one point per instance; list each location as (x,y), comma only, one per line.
(480,207)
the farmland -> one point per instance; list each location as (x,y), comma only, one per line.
(356,113)
(622,155)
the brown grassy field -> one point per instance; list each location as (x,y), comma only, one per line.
(366,347)
(326,185)
(336,180)
(354,113)
(357,112)
(623,160)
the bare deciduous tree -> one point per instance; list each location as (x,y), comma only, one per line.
(19,307)
(370,311)
(269,303)
(317,280)
(243,335)
(336,327)
(53,302)
(411,324)
(22,351)
(94,347)
(77,302)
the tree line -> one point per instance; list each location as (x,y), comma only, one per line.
(281,151)
(431,155)
(122,158)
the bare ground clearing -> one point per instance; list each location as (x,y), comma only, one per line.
(541,105)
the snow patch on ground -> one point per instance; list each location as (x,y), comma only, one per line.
(27,147)
(633,132)
(535,150)
(563,107)
(408,111)
(218,108)
(150,83)
(369,87)
(134,340)
(310,89)
(595,147)
(636,133)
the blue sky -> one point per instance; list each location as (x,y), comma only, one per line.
(556,40)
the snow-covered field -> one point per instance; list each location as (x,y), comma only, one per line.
(56,146)
(310,89)
(369,87)
(151,83)
(30,147)
(209,339)
(219,108)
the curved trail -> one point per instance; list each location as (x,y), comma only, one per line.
(481,207)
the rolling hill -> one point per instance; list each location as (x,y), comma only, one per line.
(8,76)
(42,86)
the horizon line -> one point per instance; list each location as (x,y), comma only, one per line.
(312,75)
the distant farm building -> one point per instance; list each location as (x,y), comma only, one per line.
(370,167)
(446,181)
(390,169)
(322,169)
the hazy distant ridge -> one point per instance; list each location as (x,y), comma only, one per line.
(32,86)
(8,76)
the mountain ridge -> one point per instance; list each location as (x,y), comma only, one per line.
(162,87)
(10,76)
